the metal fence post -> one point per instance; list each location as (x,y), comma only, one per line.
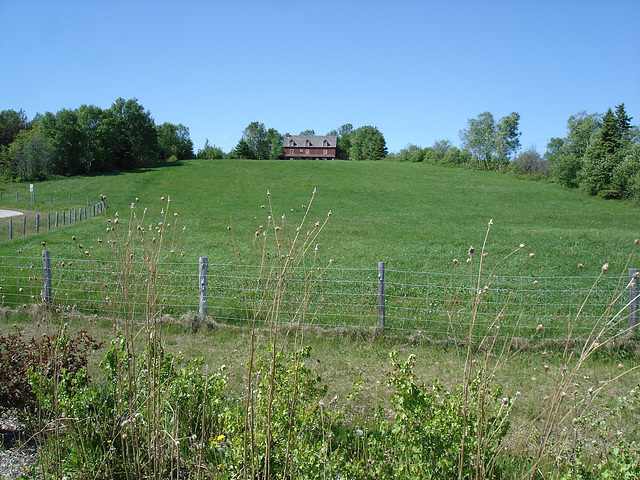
(633,301)
(37,222)
(24,225)
(202,279)
(46,271)
(10,228)
(381,309)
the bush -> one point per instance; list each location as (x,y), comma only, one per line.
(49,358)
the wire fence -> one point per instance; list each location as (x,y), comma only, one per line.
(436,305)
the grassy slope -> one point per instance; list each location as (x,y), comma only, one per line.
(412,216)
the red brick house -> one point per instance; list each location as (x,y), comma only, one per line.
(310,147)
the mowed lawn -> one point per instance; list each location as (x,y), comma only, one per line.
(411,216)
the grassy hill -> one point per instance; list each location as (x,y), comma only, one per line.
(411,216)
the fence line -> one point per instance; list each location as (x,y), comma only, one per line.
(438,305)
(73,215)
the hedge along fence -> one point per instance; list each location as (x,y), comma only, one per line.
(437,305)
(11,227)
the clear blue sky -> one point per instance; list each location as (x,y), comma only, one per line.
(418,70)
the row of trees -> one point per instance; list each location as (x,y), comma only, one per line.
(600,154)
(87,140)
(258,142)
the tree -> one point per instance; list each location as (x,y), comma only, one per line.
(137,142)
(67,141)
(174,141)
(255,136)
(210,152)
(492,144)
(11,123)
(242,150)
(442,145)
(367,143)
(479,137)
(29,155)
(565,155)
(410,153)
(607,149)
(507,138)
(308,132)
(274,141)
(530,162)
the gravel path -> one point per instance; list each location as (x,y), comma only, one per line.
(16,459)
(9,213)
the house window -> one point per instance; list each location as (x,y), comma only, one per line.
(307,152)
(291,151)
(325,143)
(300,150)
(324,151)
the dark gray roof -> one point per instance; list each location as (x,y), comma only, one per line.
(318,141)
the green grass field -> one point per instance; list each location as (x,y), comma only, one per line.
(412,216)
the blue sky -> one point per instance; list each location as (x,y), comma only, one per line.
(418,70)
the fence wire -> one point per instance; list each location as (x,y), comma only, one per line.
(436,305)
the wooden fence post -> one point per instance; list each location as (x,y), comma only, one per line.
(633,301)
(10,228)
(202,280)
(46,273)
(381,309)
(48,221)
(56,219)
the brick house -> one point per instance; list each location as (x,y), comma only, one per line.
(310,147)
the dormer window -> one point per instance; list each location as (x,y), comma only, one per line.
(307,143)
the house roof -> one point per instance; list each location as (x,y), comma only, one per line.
(321,141)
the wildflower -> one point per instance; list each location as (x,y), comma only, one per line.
(137,199)
(329,214)
(471,250)
(268,193)
(73,238)
(162,199)
(359,433)
(455,261)
(133,205)
(522,245)
(317,224)
(539,328)
(531,255)
(620,366)
(605,267)
(43,244)
(580,266)
(468,260)
(491,223)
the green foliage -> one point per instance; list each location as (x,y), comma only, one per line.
(258,145)
(367,143)
(493,144)
(25,365)
(435,433)
(11,123)
(173,140)
(210,152)
(117,428)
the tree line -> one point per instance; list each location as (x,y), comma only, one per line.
(258,142)
(600,154)
(87,140)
